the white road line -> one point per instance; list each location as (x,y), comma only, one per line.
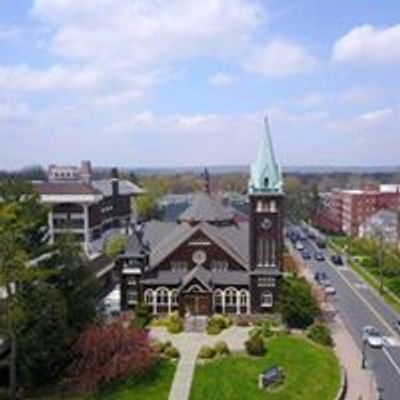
(390,358)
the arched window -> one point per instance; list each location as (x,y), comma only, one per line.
(230,297)
(267,299)
(162,296)
(148,296)
(244,295)
(218,297)
(174,297)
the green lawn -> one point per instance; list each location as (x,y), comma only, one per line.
(155,386)
(313,373)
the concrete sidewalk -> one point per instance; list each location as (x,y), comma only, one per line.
(360,382)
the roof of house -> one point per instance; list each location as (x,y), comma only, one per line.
(201,274)
(125,187)
(207,209)
(65,188)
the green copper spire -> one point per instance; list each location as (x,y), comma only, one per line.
(266,175)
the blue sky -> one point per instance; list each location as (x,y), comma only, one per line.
(183,82)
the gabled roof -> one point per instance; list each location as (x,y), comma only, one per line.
(205,208)
(199,273)
(164,238)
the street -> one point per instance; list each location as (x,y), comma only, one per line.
(358,306)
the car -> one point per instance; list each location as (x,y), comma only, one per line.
(320,243)
(372,336)
(311,235)
(397,325)
(299,246)
(320,276)
(329,289)
(319,256)
(337,259)
(306,255)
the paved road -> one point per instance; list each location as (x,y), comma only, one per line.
(359,306)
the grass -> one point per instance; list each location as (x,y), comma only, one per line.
(154,386)
(312,373)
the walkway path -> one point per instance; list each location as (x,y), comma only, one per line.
(189,345)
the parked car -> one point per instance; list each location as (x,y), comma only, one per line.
(306,255)
(397,325)
(319,256)
(299,246)
(337,259)
(372,336)
(320,243)
(329,289)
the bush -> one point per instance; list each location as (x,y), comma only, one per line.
(171,352)
(266,329)
(256,331)
(255,346)
(222,348)
(174,323)
(320,333)
(217,323)
(207,352)
(142,317)
(298,305)
(159,346)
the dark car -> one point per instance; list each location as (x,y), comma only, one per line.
(397,325)
(306,255)
(319,256)
(337,259)
(320,243)
(321,276)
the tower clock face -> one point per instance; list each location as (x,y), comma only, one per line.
(199,257)
(265,224)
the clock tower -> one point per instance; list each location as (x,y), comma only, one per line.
(265,227)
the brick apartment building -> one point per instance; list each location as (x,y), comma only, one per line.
(344,211)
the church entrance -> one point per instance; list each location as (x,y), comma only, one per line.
(196,304)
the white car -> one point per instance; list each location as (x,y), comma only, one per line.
(329,289)
(372,336)
(299,246)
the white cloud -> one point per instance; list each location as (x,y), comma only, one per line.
(368,44)
(143,32)
(221,79)
(377,115)
(280,58)
(24,78)
(9,32)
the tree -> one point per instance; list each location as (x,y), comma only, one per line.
(43,339)
(147,206)
(298,306)
(107,353)
(115,246)
(77,282)
(20,212)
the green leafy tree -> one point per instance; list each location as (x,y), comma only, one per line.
(20,212)
(43,341)
(147,206)
(298,306)
(77,282)
(115,246)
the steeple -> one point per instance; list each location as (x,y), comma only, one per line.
(266,175)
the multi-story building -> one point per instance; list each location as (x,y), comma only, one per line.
(90,209)
(208,260)
(347,210)
(383,224)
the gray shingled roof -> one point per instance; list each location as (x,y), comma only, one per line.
(228,278)
(205,208)
(201,274)
(65,188)
(125,187)
(163,278)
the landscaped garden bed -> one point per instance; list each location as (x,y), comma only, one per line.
(312,372)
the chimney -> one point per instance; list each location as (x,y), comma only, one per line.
(86,171)
(114,181)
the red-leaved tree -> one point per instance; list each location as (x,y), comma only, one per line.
(106,353)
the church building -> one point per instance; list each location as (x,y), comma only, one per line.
(208,260)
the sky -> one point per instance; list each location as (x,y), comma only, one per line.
(163,83)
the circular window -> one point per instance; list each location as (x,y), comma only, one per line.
(199,257)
